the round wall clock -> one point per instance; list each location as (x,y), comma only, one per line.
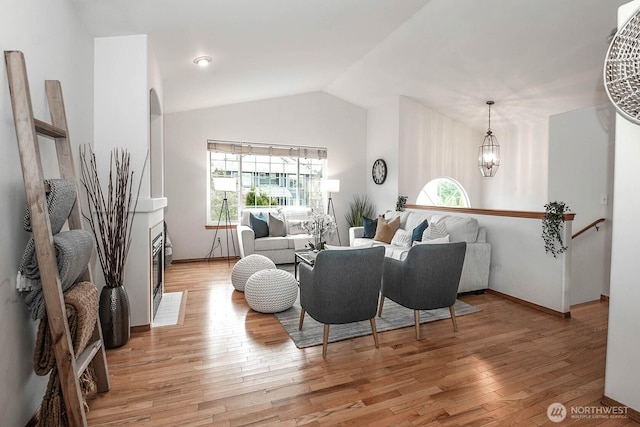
(379,171)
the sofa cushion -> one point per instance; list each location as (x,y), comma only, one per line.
(439,240)
(402,238)
(386,229)
(276,226)
(403,216)
(272,243)
(435,230)
(260,227)
(461,229)
(368,244)
(369,226)
(416,234)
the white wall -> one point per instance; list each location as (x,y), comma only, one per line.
(622,376)
(581,149)
(313,119)
(521,180)
(125,72)
(433,146)
(383,142)
(58,47)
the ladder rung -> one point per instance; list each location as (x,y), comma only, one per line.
(46,129)
(87,356)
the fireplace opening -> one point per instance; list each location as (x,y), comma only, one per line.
(157,254)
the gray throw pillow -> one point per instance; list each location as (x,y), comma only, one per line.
(276,226)
(435,230)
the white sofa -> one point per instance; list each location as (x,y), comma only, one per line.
(475,271)
(280,249)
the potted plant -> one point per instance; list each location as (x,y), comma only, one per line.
(110,218)
(318,226)
(401,202)
(359,207)
(552,224)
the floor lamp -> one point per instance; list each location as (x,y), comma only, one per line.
(224,184)
(331,186)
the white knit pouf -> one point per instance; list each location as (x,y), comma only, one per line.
(271,291)
(246,267)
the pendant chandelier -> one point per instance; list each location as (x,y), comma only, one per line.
(489,151)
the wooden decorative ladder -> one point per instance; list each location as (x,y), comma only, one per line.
(28,128)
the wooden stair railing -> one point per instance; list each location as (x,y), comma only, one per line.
(592,225)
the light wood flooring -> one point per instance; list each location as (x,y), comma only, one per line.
(229,366)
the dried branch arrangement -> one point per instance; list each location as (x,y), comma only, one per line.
(110,215)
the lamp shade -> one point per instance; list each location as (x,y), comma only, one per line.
(225,184)
(330,186)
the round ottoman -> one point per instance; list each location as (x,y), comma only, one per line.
(246,267)
(271,291)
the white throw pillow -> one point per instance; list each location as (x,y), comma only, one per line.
(444,239)
(296,226)
(402,238)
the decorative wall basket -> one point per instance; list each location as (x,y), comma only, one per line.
(115,317)
(622,69)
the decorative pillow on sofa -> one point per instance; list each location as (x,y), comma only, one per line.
(296,226)
(461,229)
(416,235)
(402,238)
(435,230)
(370,226)
(386,230)
(260,227)
(276,226)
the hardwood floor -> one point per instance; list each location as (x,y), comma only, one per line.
(227,365)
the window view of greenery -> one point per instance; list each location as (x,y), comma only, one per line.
(265,181)
(443,192)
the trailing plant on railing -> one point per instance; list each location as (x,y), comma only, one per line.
(552,224)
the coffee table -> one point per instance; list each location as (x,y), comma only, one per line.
(304,258)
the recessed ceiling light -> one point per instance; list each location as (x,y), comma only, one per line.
(202,61)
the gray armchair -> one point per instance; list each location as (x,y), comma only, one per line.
(343,286)
(427,279)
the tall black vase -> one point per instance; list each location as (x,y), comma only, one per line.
(115,318)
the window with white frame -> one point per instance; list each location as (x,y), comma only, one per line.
(443,191)
(266,175)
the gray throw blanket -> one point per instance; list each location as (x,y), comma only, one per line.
(73,250)
(60,200)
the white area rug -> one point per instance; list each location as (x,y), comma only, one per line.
(169,310)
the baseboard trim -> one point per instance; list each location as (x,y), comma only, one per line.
(631,413)
(604,297)
(216,259)
(140,328)
(529,304)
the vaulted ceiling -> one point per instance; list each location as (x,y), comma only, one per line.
(533,57)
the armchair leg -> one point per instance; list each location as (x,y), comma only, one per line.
(301,319)
(325,339)
(375,331)
(381,304)
(453,318)
(416,319)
